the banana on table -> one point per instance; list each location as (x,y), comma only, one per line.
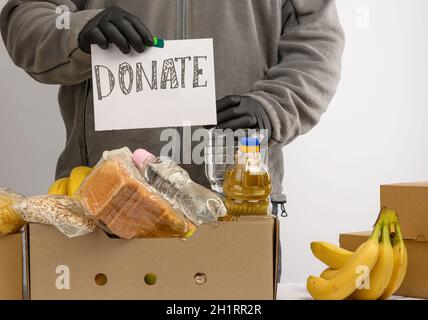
(374,271)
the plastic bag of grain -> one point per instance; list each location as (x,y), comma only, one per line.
(65,213)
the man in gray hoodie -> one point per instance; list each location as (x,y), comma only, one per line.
(277,64)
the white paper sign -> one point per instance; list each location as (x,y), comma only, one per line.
(168,87)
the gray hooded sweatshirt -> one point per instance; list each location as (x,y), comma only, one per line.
(284,53)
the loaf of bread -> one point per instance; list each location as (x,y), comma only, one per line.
(115,196)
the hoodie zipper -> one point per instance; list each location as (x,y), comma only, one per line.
(84,158)
(182,15)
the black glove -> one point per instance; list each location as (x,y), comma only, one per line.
(237,112)
(114,25)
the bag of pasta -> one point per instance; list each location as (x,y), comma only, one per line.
(10,221)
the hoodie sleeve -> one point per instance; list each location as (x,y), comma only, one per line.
(298,90)
(43,40)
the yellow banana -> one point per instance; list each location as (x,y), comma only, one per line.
(400,264)
(59,187)
(346,280)
(381,274)
(333,256)
(77,176)
(329,273)
(387,215)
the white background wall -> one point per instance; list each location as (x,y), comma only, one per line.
(374,132)
(32,133)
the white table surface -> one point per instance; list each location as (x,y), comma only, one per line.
(297,291)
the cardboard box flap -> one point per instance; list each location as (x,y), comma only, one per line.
(410,201)
(423,184)
(276,253)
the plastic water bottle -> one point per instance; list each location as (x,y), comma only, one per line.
(198,203)
(247,185)
(219,154)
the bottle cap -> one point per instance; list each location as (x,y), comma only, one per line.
(251,142)
(140,156)
(158,42)
(250,145)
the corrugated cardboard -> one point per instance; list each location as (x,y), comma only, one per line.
(410,201)
(11,267)
(237,259)
(415,283)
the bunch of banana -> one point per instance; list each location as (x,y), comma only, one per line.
(374,271)
(69,185)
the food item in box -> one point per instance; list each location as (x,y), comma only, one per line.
(59,187)
(247,184)
(65,213)
(198,203)
(10,221)
(115,195)
(77,176)
(69,185)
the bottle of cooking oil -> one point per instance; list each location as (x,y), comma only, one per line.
(247,184)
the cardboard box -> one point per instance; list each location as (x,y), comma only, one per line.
(410,201)
(11,267)
(415,283)
(226,260)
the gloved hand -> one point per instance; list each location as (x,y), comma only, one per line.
(114,25)
(241,112)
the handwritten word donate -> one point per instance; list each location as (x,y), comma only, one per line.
(130,78)
(168,87)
